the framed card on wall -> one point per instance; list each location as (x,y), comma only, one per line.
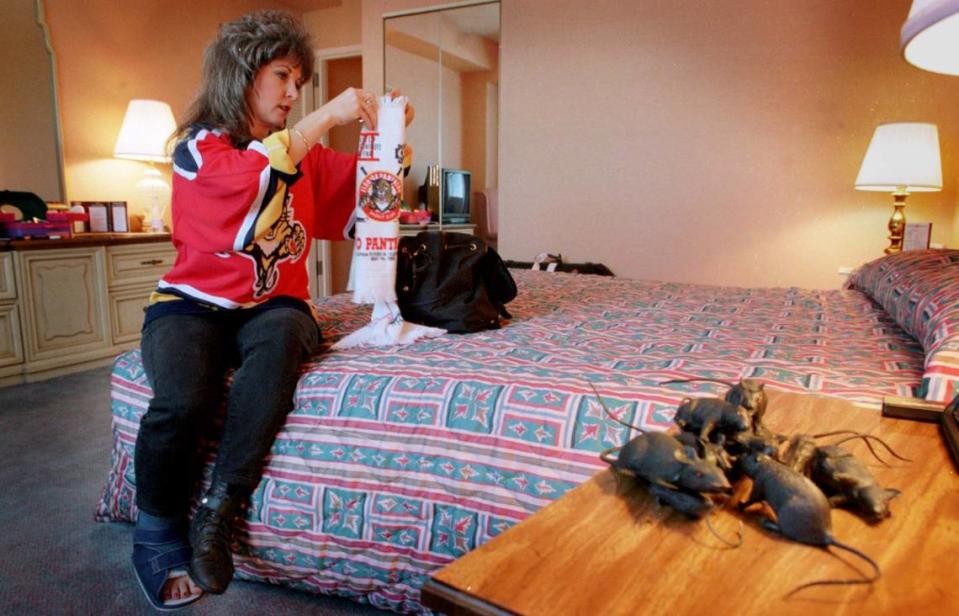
(916,236)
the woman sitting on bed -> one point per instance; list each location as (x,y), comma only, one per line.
(248,195)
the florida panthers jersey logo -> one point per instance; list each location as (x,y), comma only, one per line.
(285,239)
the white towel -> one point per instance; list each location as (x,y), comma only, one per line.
(379,193)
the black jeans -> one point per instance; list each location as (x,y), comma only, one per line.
(186,357)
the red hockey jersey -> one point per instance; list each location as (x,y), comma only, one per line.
(243,218)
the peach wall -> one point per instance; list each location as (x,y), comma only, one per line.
(712,141)
(337,26)
(108,53)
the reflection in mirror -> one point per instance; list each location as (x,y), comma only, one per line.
(30,159)
(447,62)
(410,65)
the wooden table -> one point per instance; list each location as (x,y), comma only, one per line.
(607,547)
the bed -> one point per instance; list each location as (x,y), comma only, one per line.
(396,461)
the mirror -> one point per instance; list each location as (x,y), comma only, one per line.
(447,62)
(31,158)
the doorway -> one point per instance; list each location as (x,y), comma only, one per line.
(342,73)
(336,69)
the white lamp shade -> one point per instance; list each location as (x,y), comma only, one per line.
(902,156)
(146,128)
(930,37)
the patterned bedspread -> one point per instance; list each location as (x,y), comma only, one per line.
(396,461)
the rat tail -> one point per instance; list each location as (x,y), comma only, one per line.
(610,414)
(731,544)
(866,579)
(866,438)
(695,380)
(606,456)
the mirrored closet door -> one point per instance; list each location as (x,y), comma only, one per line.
(447,62)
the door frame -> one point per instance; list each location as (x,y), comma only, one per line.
(321,281)
(323,56)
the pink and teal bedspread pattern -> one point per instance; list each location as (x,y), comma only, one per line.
(920,290)
(396,461)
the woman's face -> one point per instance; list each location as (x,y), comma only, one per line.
(275,89)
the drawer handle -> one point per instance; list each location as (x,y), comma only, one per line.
(152,262)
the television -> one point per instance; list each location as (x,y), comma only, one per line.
(455,196)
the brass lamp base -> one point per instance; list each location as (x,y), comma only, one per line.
(897,223)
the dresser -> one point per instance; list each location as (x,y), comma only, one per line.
(73,304)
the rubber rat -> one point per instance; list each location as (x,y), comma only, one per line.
(703,415)
(802,511)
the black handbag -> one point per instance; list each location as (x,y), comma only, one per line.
(453,281)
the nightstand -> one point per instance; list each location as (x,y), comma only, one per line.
(607,547)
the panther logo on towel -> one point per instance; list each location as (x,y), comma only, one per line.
(285,239)
(380,196)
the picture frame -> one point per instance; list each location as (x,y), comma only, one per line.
(119,223)
(79,226)
(99,215)
(916,236)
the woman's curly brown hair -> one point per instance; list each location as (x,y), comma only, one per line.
(230,65)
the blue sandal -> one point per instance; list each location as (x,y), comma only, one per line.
(158,556)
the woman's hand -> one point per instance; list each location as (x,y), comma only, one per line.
(349,106)
(355,104)
(352,104)
(410,112)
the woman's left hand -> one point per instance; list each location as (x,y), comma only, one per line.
(410,112)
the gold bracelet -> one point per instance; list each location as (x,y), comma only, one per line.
(294,129)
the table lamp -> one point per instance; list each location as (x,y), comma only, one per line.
(929,38)
(146,128)
(902,158)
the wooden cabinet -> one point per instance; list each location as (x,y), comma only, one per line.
(63,295)
(73,308)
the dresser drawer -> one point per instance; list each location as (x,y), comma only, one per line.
(126,313)
(8,287)
(138,264)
